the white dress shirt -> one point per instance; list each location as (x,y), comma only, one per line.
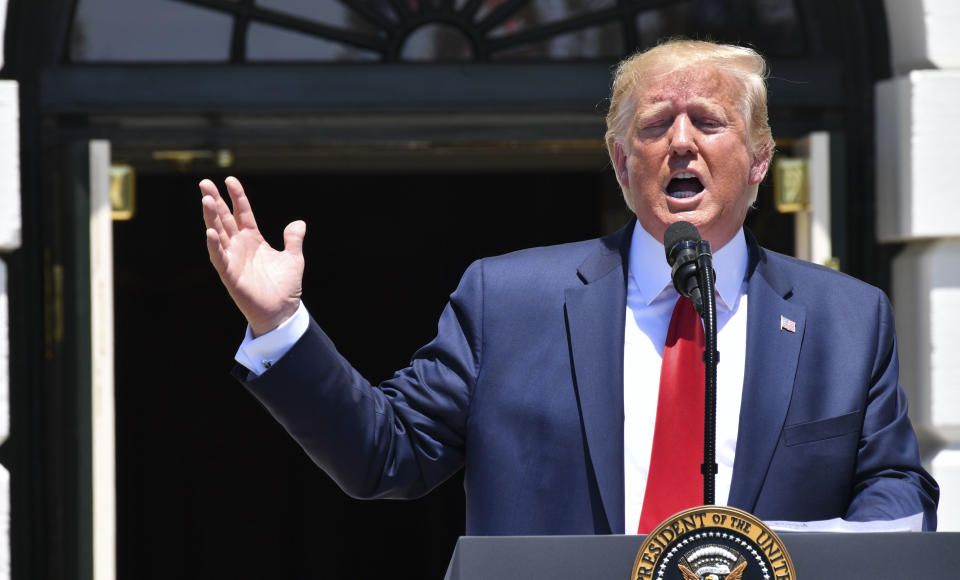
(650,301)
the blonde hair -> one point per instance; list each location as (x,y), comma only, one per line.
(743,64)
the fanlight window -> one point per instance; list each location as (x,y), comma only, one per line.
(248,31)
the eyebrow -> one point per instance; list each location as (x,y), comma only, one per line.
(652,111)
(659,107)
(711,106)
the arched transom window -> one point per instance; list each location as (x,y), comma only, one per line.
(249,31)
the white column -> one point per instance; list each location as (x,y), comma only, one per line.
(10,228)
(812,227)
(918,134)
(102,379)
(9,240)
(4,420)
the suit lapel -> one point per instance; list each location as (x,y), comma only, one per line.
(597,306)
(771,366)
(595,325)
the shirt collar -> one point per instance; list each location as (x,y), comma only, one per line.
(650,273)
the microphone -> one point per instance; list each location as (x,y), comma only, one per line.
(682,244)
(691,267)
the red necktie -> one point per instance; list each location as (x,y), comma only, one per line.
(674,482)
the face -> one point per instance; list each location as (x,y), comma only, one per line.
(686,155)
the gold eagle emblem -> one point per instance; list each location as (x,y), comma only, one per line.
(735,574)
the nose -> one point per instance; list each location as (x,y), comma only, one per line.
(683,136)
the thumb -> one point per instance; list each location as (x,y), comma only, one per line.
(293,237)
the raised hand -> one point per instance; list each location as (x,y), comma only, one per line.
(264,283)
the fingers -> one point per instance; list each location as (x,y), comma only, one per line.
(216,213)
(293,236)
(215,249)
(211,215)
(241,205)
(210,194)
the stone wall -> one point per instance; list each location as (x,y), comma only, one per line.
(918,133)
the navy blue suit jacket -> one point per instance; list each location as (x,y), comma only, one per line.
(523,388)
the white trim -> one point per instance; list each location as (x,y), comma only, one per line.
(812,241)
(821,248)
(102,380)
(10,211)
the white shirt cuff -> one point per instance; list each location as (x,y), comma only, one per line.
(260,353)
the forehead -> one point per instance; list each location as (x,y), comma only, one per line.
(701,84)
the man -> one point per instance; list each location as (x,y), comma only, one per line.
(544,379)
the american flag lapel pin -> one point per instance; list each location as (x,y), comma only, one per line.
(787,324)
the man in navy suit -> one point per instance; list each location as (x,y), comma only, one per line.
(542,380)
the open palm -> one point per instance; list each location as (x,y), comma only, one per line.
(264,283)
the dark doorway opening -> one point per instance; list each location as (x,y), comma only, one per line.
(208,484)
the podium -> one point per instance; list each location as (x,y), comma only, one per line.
(816,556)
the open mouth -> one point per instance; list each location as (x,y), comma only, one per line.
(684,185)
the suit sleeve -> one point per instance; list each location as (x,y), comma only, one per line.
(399,439)
(890,481)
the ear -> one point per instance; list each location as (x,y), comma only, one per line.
(620,165)
(760,165)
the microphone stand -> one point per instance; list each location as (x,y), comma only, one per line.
(707,308)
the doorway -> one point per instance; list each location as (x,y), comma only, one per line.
(208,484)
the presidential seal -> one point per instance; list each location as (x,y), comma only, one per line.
(712,543)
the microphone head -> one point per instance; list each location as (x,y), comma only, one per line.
(679,232)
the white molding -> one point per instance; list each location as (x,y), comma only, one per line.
(917,121)
(923,34)
(812,241)
(10,218)
(4,523)
(4,355)
(945,468)
(3,29)
(102,349)
(926,297)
